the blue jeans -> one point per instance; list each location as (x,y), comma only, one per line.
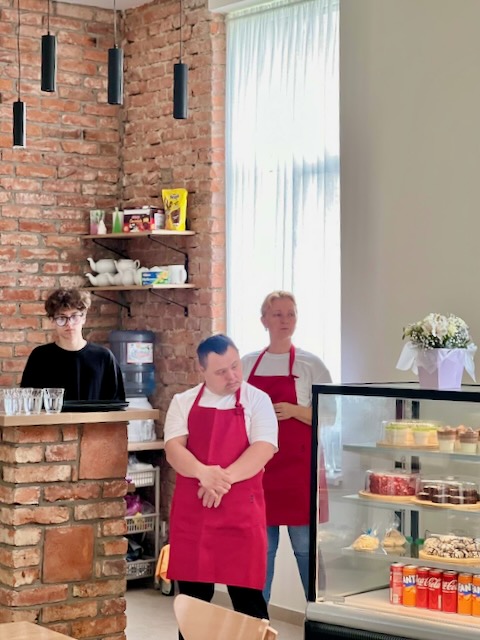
(299,539)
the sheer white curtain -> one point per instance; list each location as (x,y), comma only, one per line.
(282,142)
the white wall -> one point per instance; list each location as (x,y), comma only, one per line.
(410,173)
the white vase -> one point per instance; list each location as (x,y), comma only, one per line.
(441,368)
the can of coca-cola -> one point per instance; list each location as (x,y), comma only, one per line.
(435,589)
(396,583)
(423,574)
(449,591)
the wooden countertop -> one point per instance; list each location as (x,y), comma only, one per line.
(87,417)
(28,631)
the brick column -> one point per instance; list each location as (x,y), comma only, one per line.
(62,545)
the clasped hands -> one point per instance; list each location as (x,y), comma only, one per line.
(214,482)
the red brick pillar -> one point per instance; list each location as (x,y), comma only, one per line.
(62,545)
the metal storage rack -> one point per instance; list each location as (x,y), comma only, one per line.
(145,523)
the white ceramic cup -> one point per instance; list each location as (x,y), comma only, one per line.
(177,274)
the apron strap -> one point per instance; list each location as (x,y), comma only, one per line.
(255,366)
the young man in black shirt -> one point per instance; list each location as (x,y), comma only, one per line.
(86,371)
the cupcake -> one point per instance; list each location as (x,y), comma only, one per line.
(422,434)
(468,441)
(446,439)
(398,433)
(460,429)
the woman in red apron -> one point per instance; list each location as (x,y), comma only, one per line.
(286,374)
(224,542)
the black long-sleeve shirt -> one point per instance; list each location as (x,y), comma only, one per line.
(92,373)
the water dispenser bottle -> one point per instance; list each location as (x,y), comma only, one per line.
(134,352)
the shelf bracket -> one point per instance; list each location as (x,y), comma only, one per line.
(121,303)
(170,301)
(122,254)
(168,246)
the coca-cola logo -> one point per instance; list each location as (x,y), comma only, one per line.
(449,585)
(422,581)
(434,583)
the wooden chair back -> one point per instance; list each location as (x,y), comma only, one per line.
(198,620)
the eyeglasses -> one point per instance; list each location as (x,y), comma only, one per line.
(73,320)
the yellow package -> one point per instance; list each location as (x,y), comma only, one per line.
(175,204)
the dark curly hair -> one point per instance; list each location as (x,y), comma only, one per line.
(62,299)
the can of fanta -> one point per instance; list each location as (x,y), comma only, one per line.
(476,595)
(464,594)
(409,593)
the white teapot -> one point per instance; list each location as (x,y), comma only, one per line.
(128,277)
(124,265)
(101,280)
(106,265)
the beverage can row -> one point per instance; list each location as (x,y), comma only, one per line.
(434,589)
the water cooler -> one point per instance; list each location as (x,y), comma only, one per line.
(134,352)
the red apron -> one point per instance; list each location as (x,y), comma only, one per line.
(227,544)
(286,481)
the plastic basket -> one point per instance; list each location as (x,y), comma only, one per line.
(140,523)
(142,478)
(140,568)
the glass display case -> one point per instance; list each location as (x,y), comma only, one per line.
(399,556)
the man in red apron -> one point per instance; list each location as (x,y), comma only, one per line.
(286,374)
(218,437)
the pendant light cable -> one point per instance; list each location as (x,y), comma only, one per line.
(115,66)
(180,80)
(114,23)
(48,17)
(18,49)
(19,109)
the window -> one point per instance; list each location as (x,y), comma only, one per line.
(282,171)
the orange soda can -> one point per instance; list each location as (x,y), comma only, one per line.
(409,595)
(464,594)
(476,595)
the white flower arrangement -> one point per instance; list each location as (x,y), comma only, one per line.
(439,332)
(437,339)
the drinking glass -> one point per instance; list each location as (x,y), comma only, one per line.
(53,399)
(12,401)
(32,400)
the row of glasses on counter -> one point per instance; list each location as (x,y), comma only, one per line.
(29,401)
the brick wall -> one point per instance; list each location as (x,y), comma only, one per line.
(62,526)
(83,153)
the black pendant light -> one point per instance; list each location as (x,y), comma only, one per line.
(49,57)
(180,81)
(19,107)
(115,66)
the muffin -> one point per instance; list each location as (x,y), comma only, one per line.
(468,441)
(446,439)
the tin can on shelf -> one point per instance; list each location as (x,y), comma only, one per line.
(449,591)
(476,595)
(396,583)
(409,593)
(423,574)
(435,589)
(464,594)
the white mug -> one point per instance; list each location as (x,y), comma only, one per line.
(177,274)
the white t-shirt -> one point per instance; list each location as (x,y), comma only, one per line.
(260,421)
(309,369)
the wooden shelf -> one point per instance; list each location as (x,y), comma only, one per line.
(150,445)
(138,287)
(139,234)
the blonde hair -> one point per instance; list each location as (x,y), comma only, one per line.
(277,295)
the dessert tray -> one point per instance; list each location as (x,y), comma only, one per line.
(425,447)
(466,561)
(383,497)
(446,505)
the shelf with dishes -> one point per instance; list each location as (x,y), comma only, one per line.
(118,276)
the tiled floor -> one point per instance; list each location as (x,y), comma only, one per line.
(150,617)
